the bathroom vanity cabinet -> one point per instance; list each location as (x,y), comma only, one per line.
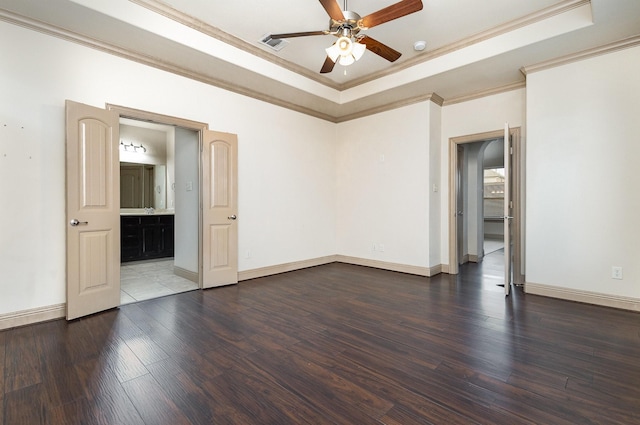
(145,237)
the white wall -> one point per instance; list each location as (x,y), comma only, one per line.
(286,159)
(475,116)
(582,174)
(187,199)
(473,212)
(384,186)
(435,170)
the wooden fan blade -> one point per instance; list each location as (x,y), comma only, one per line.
(298,34)
(380,49)
(395,11)
(333,9)
(327,66)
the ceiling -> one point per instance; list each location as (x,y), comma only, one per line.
(473,47)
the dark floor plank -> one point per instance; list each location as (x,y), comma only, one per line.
(337,344)
(22,364)
(60,380)
(408,405)
(2,368)
(153,403)
(309,381)
(257,399)
(26,405)
(107,400)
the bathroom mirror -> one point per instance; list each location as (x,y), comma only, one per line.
(143,186)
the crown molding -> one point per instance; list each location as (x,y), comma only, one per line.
(192,22)
(510,26)
(485,93)
(178,16)
(626,43)
(433,97)
(64,34)
(67,35)
(306,103)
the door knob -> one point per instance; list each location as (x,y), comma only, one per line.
(232,217)
(75,222)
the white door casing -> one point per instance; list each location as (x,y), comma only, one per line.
(93,210)
(219,209)
(517,199)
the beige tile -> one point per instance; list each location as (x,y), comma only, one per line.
(146,280)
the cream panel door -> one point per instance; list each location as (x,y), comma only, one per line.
(220,209)
(93,210)
(507,210)
(131,187)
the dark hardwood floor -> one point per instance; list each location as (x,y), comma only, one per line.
(335,344)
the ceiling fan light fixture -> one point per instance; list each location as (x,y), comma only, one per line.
(345,46)
(345,51)
(358,50)
(333,52)
(347,60)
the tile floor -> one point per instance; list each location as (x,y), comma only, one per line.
(143,280)
(492,245)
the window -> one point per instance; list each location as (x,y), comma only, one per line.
(493,192)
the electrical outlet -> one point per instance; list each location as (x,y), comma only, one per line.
(616,272)
(381,247)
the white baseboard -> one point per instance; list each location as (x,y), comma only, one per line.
(606,300)
(187,274)
(297,265)
(286,267)
(403,268)
(34,315)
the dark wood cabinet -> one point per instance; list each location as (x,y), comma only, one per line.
(144,237)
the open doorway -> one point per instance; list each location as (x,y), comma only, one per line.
(93,204)
(159,198)
(475,219)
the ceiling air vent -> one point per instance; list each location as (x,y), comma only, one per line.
(276,44)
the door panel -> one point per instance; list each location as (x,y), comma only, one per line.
(507,211)
(459,214)
(130,187)
(93,196)
(220,209)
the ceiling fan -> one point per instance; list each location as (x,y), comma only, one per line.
(347,25)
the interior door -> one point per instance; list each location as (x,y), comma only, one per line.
(93,210)
(130,186)
(460,175)
(507,210)
(220,209)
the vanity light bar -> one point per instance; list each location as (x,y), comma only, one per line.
(130,147)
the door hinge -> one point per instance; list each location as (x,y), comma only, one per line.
(510,150)
(510,204)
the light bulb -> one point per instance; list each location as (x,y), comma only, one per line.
(345,45)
